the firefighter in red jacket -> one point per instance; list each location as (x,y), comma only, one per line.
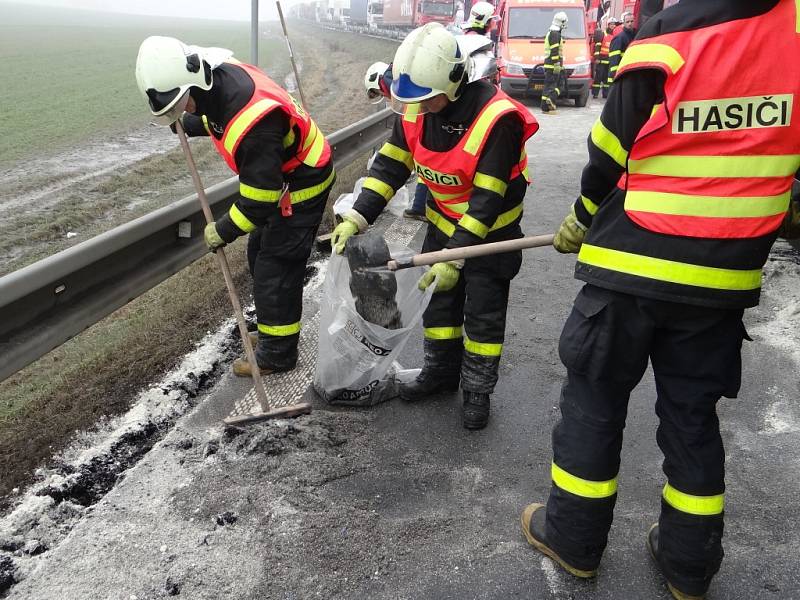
(689,178)
(601,50)
(284,166)
(467,140)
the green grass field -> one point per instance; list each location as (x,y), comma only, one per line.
(69,74)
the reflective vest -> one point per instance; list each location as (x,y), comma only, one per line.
(605,45)
(312,149)
(449,175)
(713,166)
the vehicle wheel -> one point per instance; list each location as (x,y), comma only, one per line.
(581,100)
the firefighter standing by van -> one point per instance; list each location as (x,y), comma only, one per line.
(554,74)
(601,51)
(619,44)
(689,178)
(468,142)
(285,174)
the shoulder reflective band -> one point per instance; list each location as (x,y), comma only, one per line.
(706,206)
(443,333)
(590,206)
(310,192)
(670,271)
(582,487)
(609,143)
(240,220)
(379,187)
(779,165)
(279,330)
(398,154)
(259,195)
(493,184)
(244,120)
(474,226)
(652,55)
(694,505)
(481,127)
(482,349)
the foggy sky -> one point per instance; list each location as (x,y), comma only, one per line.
(234,10)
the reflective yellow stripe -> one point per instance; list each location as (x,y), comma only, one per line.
(481,348)
(317,146)
(653,53)
(694,505)
(206,125)
(706,206)
(668,270)
(244,120)
(590,206)
(437,220)
(487,182)
(614,53)
(411,112)
(582,487)
(655,109)
(310,192)
(443,333)
(240,220)
(778,165)
(472,225)
(279,330)
(253,193)
(481,126)
(609,143)
(398,154)
(507,217)
(379,187)
(797,16)
(288,139)
(444,197)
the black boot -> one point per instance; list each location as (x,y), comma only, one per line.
(440,373)
(475,410)
(652,546)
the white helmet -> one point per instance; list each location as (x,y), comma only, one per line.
(560,20)
(372,81)
(167,68)
(480,15)
(428,63)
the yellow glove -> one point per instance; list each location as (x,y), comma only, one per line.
(557,69)
(569,237)
(790,228)
(213,240)
(445,274)
(341,234)
(353,222)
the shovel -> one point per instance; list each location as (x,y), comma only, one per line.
(429,258)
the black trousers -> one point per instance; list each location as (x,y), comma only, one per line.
(600,82)
(478,305)
(277,254)
(555,86)
(696,357)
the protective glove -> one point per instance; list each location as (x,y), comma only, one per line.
(569,237)
(557,69)
(445,274)
(213,239)
(790,228)
(353,223)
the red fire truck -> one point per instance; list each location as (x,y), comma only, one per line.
(408,14)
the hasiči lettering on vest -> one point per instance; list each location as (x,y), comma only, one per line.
(437,177)
(727,114)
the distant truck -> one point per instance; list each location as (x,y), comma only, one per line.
(642,10)
(524,24)
(408,14)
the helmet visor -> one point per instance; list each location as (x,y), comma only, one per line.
(402,107)
(374,96)
(173,113)
(406,91)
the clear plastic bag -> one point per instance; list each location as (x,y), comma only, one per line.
(397,204)
(357,360)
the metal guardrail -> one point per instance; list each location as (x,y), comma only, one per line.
(45,304)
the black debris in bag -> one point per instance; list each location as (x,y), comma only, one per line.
(373,286)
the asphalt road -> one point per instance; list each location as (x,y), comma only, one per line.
(399,502)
